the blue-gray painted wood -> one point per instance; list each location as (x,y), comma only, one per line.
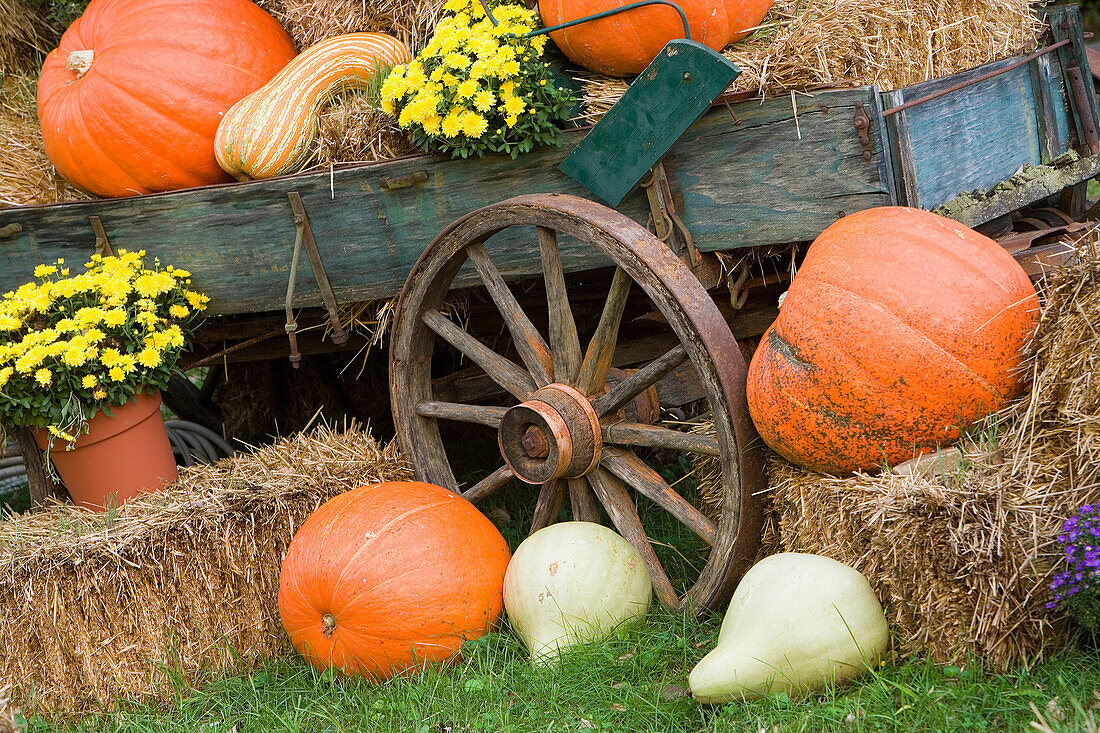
(970,139)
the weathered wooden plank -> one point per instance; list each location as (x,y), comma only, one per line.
(757,181)
(1065,23)
(1050,70)
(1046,113)
(744,183)
(1051,181)
(969,139)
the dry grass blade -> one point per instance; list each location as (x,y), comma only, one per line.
(26,174)
(24,36)
(98,606)
(310,21)
(352,130)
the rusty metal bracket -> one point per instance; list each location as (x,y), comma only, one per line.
(291,321)
(102,244)
(304,238)
(1081,99)
(862,123)
(738,292)
(670,228)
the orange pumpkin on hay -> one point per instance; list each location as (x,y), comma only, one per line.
(900,329)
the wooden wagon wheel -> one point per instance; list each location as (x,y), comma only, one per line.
(569,433)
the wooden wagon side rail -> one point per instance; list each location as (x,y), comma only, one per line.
(766,174)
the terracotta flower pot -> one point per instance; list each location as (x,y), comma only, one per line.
(119,457)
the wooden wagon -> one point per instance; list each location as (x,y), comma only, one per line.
(620,325)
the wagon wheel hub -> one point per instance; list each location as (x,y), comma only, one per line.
(553,434)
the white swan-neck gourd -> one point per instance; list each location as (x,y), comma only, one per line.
(796,622)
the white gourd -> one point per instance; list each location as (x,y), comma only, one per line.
(572,583)
(796,622)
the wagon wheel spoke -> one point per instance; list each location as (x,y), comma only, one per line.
(566,354)
(488,485)
(551,499)
(601,349)
(504,372)
(585,506)
(654,436)
(616,500)
(458,412)
(532,349)
(639,381)
(635,473)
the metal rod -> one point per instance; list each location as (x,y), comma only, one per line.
(597,16)
(976,80)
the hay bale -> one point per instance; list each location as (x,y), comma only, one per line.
(351,129)
(807,44)
(962,557)
(9,720)
(310,21)
(26,174)
(98,608)
(24,37)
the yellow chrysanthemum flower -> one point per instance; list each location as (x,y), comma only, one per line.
(114,317)
(433,125)
(116,374)
(109,357)
(59,433)
(178,311)
(44,270)
(5,375)
(89,381)
(484,100)
(75,357)
(175,336)
(473,124)
(149,358)
(100,394)
(44,377)
(452,123)
(466,89)
(197,301)
(513,105)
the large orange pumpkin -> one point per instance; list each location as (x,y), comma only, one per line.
(900,329)
(625,43)
(131,98)
(387,577)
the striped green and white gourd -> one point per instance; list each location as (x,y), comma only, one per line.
(271,131)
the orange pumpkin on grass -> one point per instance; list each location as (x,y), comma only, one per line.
(391,576)
(625,43)
(900,329)
(131,98)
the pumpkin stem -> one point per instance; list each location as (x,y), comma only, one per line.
(80,62)
(328,625)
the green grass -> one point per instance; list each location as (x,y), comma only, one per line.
(632,682)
